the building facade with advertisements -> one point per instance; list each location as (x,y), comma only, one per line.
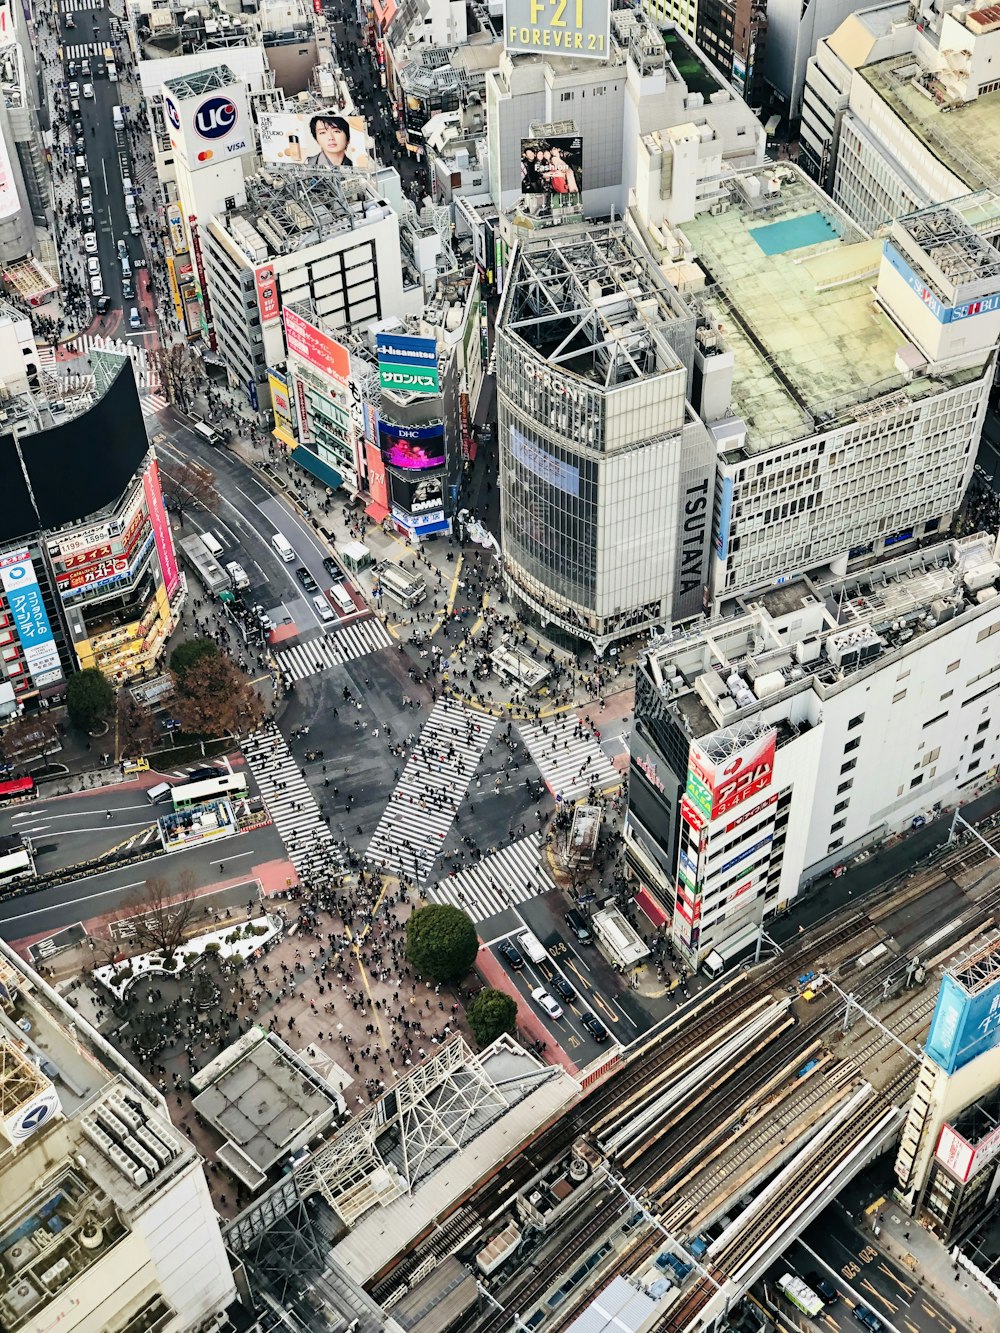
(326,239)
(98,588)
(606,474)
(948,1160)
(772,746)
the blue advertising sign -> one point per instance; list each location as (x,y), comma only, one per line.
(964,1025)
(24,597)
(725,519)
(404,350)
(944,314)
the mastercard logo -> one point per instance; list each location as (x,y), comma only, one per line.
(205,154)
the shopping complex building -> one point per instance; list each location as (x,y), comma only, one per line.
(771,746)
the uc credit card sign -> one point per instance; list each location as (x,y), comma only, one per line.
(579,28)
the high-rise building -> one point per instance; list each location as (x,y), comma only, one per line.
(772,746)
(606,476)
(106,1222)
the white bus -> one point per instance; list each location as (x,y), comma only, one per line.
(407,589)
(800,1294)
(283,547)
(194,793)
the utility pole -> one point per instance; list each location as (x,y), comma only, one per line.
(957,819)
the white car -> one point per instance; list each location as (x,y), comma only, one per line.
(97,286)
(323,608)
(74,90)
(88,90)
(90,242)
(93,266)
(87,206)
(545,1001)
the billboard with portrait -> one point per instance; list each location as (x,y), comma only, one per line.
(551,174)
(320,140)
(577,28)
(418,497)
(412,447)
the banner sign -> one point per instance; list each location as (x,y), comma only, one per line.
(577,28)
(24,597)
(407,364)
(161,529)
(316,348)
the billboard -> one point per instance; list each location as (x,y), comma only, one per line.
(161,528)
(962,1158)
(209,128)
(581,29)
(412,447)
(964,1025)
(417,497)
(24,597)
(175,226)
(715,788)
(407,363)
(321,139)
(384,13)
(316,348)
(377,486)
(944,314)
(281,406)
(551,174)
(267,293)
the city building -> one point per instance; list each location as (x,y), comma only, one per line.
(947,1161)
(24,172)
(606,474)
(329,239)
(106,1222)
(899,115)
(87,565)
(455,144)
(772,746)
(860,375)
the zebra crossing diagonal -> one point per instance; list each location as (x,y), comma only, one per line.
(414,825)
(291,805)
(568,756)
(515,874)
(330,650)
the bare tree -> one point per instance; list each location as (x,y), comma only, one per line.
(28,737)
(181,371)
(163,912)
(215,698)
(189,484)
(137,730)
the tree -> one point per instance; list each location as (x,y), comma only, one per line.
(90,698)
(215,698)
(189,485)
(186,654)
(181,372)
(137,731)
(28,737)
(491,1013)
(441,942)
(162,913)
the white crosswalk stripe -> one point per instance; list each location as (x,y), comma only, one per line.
(291,806)
(515,874)
(46,357)
(420,812)
(151,403)
(570,764)
(80,51)
(341,645)
(77,6)
(146,375)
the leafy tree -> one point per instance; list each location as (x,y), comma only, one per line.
(90,698)
(441,942)
(186,654)
(215,698)
(163,911)
(491,1013)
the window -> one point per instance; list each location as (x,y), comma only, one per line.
(983,725)
(846,768)
(917,780)
(978,745)
(986,632)
(853,745)
(953,666)
(837,842)
(841,805)
(974,765)
(845,786)
(855,722)
(839,825)
(900,694)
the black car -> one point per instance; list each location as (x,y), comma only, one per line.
(577,923)
(332,568)
(868,1319)
(594,1026)
(204,774)
(306,579)
(511,955)
(562,988)
(104,305)
(825,1290)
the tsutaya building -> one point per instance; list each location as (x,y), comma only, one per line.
(771,746)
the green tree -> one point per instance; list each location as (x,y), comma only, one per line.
(90,698)
(491,1013)
(186,654)
(441,942)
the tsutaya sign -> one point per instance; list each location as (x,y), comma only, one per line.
(578,28)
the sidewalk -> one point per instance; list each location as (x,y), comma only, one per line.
(933,1269)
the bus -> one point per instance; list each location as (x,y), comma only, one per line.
(16,865)
(17,789)
(187,794)
(203,562)
(407,589)
(800,1294)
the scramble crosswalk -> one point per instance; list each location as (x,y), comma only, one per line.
(82,51)
(342,645)
(291,806)
(152,403)
(78,6)
(570,764)
(413,828)
(515,874)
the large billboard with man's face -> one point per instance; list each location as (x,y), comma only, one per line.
(577,28)
(320,140)
(551,174)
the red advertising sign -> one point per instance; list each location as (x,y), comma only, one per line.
(316,348)
(161,528)
(690,815)
(956,1153)
(87,557)
(93,573)
(742,819)
(733,780)
(267,293)
(377,485)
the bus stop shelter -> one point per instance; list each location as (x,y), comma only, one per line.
(620,940)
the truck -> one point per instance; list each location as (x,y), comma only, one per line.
(238,574)
(531,945)
(729,950)
(203,562)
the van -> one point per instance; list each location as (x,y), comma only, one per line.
(134,318)
(283,547)
(161,792)
(117,117)
(238,574)
(85,185)
(207,433)
(531,945)
(343,599)
(579,926)
(126,267)
(213,543)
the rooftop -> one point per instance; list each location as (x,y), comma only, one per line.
(792,294)
(965,139)
(289,209)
